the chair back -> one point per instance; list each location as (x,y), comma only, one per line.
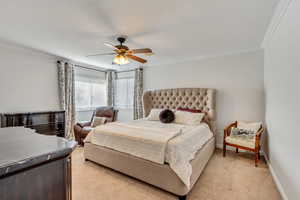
(106,111)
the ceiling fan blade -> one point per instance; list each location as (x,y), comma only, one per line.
(135,51)
(141,60)
(101,54)
(110,45)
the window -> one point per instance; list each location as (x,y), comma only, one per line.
(90,90)
(89,95)
(124,91)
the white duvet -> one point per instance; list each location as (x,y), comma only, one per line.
(175,144)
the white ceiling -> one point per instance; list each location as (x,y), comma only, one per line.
(176,30)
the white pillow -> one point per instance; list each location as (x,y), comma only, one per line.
(253,126)
(97,121)
(189,118)
(154,114)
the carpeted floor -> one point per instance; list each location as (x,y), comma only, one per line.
(233,177)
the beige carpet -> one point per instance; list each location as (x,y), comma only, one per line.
(233,177)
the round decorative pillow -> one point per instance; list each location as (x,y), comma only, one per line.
(166,116)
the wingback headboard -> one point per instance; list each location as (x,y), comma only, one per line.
(192,98)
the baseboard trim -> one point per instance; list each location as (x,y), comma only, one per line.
(275,178)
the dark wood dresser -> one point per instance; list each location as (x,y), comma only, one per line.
(39,170)
(47,123)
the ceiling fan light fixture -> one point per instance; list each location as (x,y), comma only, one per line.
(123,54)
(121,59)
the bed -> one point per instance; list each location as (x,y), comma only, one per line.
(157,174)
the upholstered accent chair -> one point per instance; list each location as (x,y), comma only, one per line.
(81,130)
(253,145)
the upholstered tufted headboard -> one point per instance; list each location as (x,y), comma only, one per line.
(192,98)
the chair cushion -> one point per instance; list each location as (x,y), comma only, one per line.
(243,140)
(252,126)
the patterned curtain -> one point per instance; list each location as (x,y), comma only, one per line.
(110,80)
(66,84)
(138,93)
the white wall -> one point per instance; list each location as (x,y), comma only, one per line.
(237,78)
(282,71)
(28,80)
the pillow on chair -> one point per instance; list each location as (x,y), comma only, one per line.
(251,126)
(237,132)
(97,121)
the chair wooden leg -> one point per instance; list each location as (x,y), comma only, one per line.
(256,158)
(236,150)
(224,150)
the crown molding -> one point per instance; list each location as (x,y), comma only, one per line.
(276,19)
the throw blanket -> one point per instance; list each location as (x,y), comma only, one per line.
(143,142)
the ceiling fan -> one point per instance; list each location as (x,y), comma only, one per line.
(123,53)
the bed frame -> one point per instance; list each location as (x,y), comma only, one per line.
(162,176)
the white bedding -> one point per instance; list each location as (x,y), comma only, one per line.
(136,139)
(175,144)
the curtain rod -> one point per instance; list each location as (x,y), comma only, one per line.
(88,68)
(130,70)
